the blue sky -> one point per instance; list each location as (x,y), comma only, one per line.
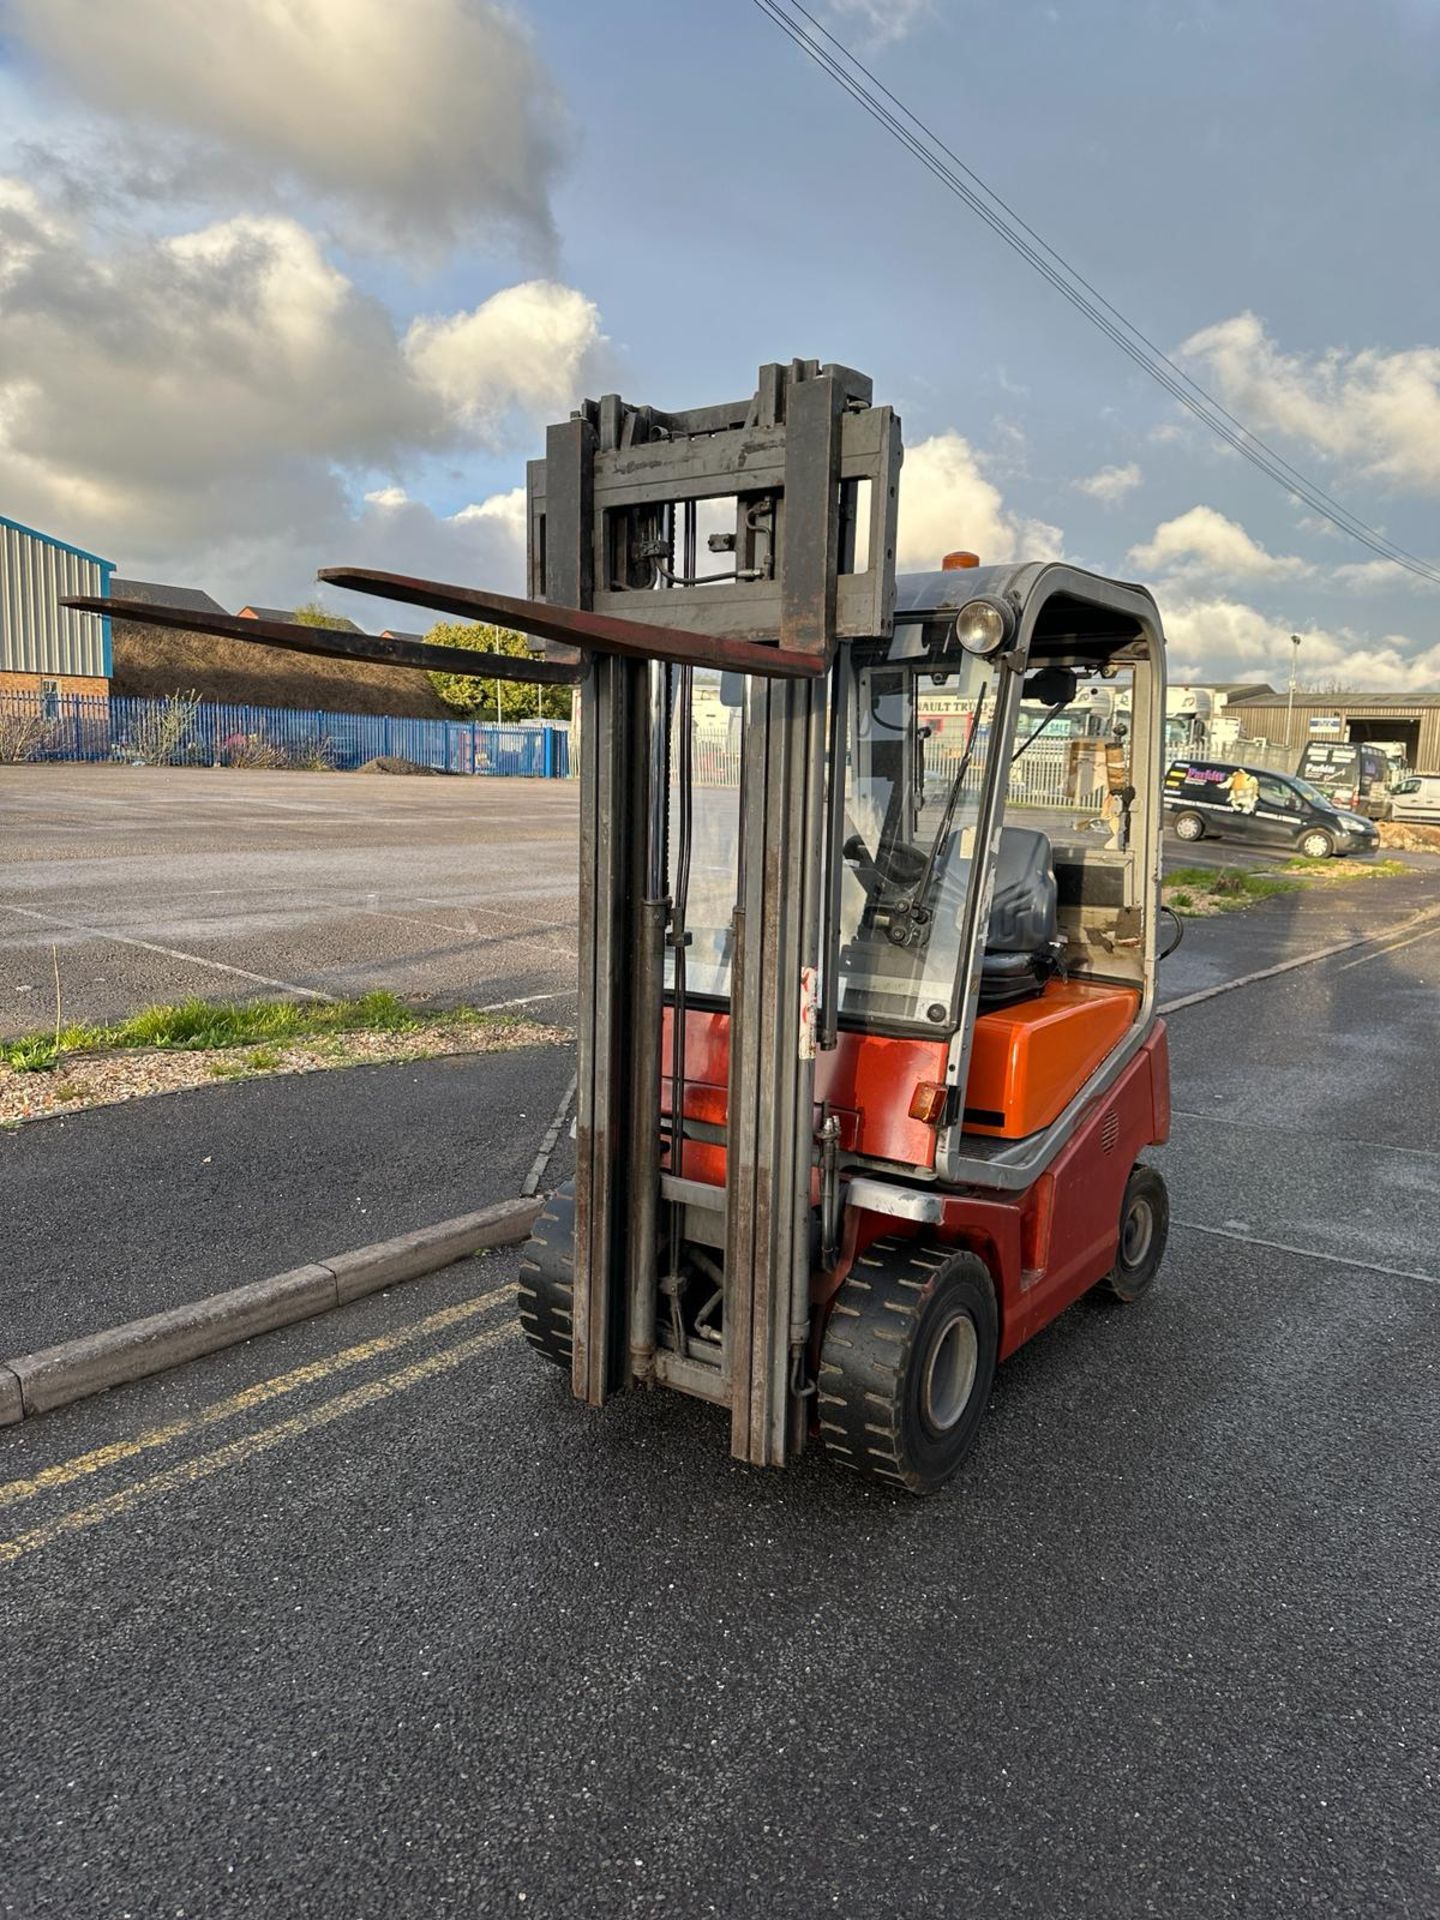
(243,293)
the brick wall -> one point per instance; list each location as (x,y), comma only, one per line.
(64,684)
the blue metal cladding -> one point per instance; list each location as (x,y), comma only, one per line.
(37,634)
(188,733)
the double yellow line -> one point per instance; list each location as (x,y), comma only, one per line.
(259,1441)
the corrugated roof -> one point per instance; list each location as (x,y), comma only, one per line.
(1344,702)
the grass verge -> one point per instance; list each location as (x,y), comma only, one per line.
(173,1049)
(196,1026)
(1197,893)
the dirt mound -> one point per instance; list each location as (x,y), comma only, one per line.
(154,662)
(392,763)
(1409,838)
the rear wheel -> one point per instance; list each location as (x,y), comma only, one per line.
(906,1363)
(1144,1229)
(1189,826)
(546,1286)
(1317,844)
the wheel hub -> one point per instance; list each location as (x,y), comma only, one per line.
(950,1373)
(1137,1233)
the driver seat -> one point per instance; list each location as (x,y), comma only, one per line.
(1023,947)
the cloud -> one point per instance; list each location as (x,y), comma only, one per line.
(521,348)
(427,119)
(1111,483)
(946,502)
(1224,639)
(1378,412)
(1377,576)
(176,400)
(481,545)
(880,22)
(1203,542)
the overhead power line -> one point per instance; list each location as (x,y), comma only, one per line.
(850,73)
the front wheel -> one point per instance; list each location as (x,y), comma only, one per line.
(1144,1229)
(546,1286)
(1189,826)
(1317,844)
(907,1362)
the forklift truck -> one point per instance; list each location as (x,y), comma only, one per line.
(865,1070)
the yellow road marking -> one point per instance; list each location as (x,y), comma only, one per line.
(188,1473)
(98,1458)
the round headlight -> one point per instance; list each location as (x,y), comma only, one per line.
(984,626)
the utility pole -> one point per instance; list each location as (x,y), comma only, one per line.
(1290,701)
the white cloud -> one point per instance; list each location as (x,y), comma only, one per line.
(524,347)
(1377,576)
(946,502)
(1223,639)
(1203,542)
(174,402)
(427,118)
(1378,412)
(1111,483)
(880,21)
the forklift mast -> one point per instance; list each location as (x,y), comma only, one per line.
(809,468)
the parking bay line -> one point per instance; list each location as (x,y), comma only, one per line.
(1303,1253)
(1329,1139)
(1302,960)
(66,1472)
(1381,952)
(189,1473)
(170,953)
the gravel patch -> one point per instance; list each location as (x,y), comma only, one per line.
(105,1079)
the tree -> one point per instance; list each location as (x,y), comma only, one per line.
(477,698)
(312,614)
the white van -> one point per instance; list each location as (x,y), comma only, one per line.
(1416,797)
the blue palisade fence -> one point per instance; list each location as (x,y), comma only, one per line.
(182,732)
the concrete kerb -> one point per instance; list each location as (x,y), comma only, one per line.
(34,1383)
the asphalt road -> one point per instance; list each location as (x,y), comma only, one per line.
(126,1210)
(154,884)
(369,1617)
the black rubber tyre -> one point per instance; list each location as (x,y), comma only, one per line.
(907,1362)
(1189,826)
(1144,1229)
(547,1279)
(1316,844)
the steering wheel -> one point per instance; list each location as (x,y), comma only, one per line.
(903,867)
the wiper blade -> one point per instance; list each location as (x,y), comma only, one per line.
(909,922)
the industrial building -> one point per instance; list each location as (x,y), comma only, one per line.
(45,648)
(1410,721)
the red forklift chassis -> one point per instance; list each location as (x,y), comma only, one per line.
(863,1107)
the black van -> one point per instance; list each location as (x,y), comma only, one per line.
(1265,809)
(1351,774)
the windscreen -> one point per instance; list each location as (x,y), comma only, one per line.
(919,747)
(918,743)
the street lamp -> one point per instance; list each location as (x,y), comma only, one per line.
(1290,701)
